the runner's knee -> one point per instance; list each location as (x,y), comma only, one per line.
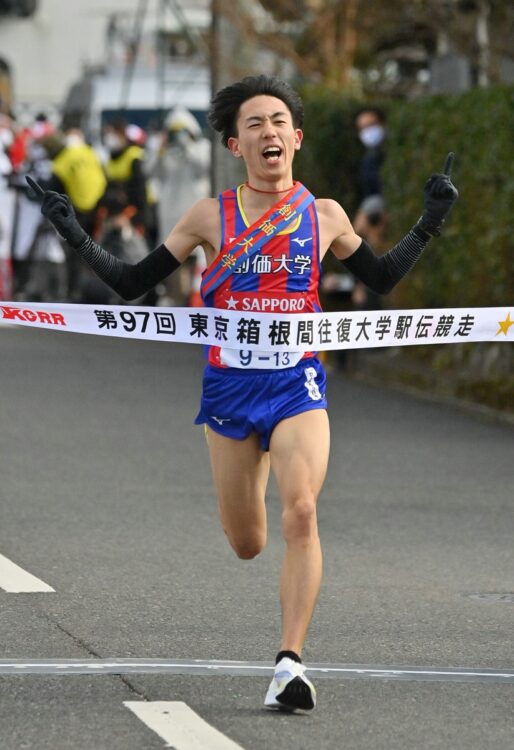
(299,519)
(247,547)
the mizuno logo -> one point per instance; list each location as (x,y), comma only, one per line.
(219,420)
(301,242)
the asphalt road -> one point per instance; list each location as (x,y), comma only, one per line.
(105,495)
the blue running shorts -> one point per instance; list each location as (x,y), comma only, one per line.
(235,402)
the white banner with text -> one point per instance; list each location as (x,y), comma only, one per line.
(271,332)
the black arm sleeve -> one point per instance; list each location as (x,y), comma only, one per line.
(129,281)
(382,273)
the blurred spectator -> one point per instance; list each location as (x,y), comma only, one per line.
(6,205)
(182,172)
(18,150)
(184,165)
(370,124)
(127,180)
(41,127)
(26,214)
(138,136)
(6,142)
(371,219)
(46,279)
(75,170)
(26,135)
(38,256)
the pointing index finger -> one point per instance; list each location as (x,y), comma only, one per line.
(449,164)
(36,187)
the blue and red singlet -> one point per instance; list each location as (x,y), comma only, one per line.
(282,277)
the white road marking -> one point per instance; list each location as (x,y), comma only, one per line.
(250,669)
(17,581)
(180,726)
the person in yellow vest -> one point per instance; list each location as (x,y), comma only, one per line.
(126,178)
(76,171)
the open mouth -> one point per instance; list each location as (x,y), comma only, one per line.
(272,154)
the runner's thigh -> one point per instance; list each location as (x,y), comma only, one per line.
(240,470)
(299,450)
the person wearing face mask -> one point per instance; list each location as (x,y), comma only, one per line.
(127,182)
(77,172)
(370,124)
(371,217)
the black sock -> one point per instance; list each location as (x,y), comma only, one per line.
(289,655)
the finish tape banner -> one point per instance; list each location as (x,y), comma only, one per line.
(269,332)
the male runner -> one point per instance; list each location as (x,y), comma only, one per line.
(266,411)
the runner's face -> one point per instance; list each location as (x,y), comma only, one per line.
(266,138)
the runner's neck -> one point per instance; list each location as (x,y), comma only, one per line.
(268,192)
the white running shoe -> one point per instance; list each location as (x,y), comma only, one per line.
(289,688)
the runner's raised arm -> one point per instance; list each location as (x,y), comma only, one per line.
(128,280)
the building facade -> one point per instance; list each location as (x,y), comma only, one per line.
(54,47)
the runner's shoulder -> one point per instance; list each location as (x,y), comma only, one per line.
(202,217)
(330,208)
(333,215)
(205,208)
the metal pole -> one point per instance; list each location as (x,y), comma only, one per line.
(133,53)
(215,82)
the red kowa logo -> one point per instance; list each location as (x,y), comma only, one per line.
(32,316)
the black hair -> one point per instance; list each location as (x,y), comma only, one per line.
(377,111)
(119,124)
(224,108)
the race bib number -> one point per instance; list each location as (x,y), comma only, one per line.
(258,360)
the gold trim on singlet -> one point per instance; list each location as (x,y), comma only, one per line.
(288,230)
